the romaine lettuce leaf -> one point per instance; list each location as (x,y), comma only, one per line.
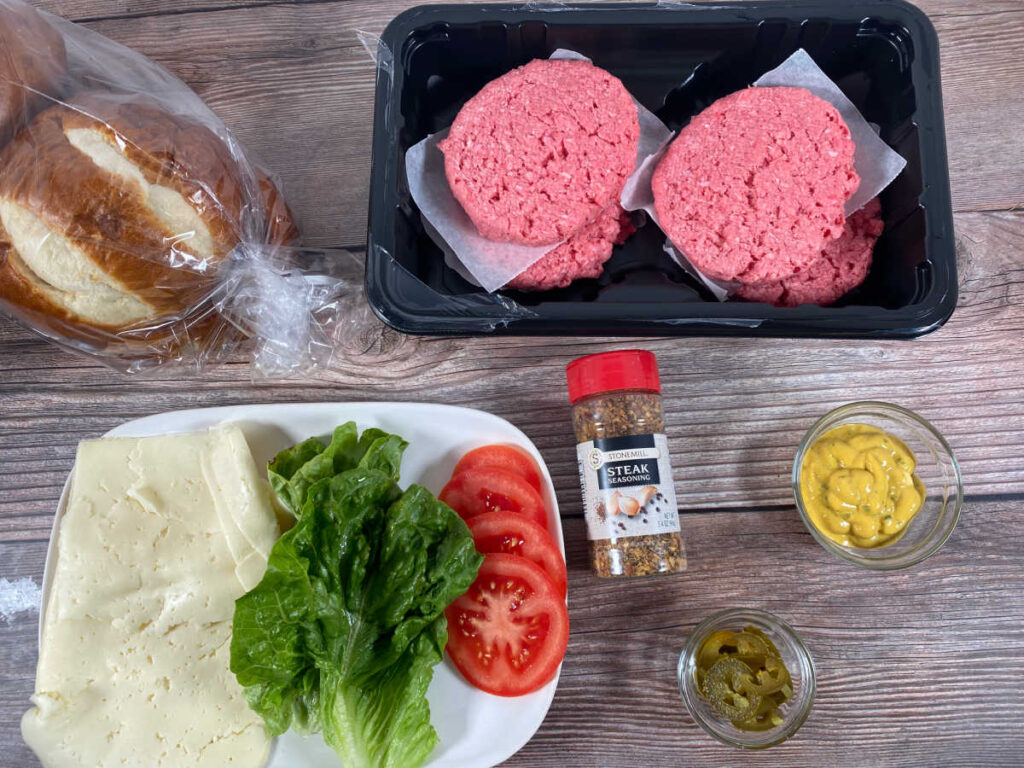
(342,634)
(295,469)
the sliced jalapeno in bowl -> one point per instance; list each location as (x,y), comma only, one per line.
(746,678)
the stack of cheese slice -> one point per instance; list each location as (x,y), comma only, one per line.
(159,537)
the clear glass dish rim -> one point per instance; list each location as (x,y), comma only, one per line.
(809,680)
(851,554)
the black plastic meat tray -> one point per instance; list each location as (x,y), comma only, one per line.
(676,60)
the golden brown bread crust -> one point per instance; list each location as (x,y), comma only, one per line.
(162,338)
(280,224)
(31,54)
(188,157)
(97,211)
(171,152)
(106,218)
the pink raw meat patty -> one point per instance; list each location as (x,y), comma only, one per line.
(842,266)
(754,186)
(540,152)
(582,255)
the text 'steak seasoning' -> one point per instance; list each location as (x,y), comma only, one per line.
(629,500)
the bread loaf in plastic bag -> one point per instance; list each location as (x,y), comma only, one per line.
(134,229)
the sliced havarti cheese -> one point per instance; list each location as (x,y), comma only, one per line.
(134,661)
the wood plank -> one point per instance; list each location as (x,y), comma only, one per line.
(920,667)
(736,408)
(983,119)
(296,85)
(81,10)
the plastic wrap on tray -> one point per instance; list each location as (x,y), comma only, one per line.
(134,228)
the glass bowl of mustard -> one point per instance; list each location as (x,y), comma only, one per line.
(744,637)
(877,485)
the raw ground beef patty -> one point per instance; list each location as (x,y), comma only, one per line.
(842,266)
(582,255)
(754,185)
(540,152)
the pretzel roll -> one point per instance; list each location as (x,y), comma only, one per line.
(117,219)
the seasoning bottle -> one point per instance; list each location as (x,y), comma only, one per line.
(629,500)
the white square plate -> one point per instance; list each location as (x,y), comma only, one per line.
(476,729)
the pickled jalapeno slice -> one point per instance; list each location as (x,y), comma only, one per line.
(761,722)
(748,645)
(718,644)
(724,691)
(772,677)
(742,676)
(764,639)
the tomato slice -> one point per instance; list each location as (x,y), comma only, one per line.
(507,457)
(508,633)
(486,490)
(512,533)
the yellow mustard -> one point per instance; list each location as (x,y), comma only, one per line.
(858,486)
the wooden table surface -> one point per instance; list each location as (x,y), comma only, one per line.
(923,667)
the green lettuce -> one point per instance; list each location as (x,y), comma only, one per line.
(342,634)
(295,469)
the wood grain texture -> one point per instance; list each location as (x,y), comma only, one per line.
(983,116)
(84,10)
(921,668)
(736,408)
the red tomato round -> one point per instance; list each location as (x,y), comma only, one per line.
(506,457)
(485,490)
(515,534)
(508,633)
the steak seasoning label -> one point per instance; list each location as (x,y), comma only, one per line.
(627,487)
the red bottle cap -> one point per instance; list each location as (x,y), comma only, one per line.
(611,371)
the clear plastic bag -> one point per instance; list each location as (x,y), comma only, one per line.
(134,229)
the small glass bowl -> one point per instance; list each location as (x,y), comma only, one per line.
(936,466)
(795,656)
